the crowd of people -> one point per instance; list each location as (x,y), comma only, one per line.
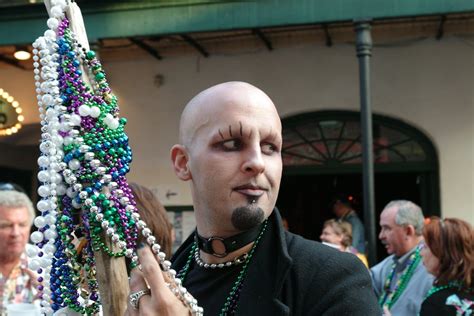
(240,260)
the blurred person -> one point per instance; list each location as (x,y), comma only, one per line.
(338,234)
(240,260)
(17,282)
(154,214)
(401,281)
(342,208)
(448,254)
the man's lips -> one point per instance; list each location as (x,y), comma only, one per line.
(251,190)
(15,243)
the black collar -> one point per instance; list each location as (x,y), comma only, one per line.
(221,247)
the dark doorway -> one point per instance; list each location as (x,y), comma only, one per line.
(21,177)
(322,155)
(304,200)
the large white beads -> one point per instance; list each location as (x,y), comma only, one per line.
(94,111)
(74,164)
(37,237)
(84,110)
(42,205)
(44,176)
(40,222)
(56,12)
(34,264)
(50,34)
(43,191)
(31,251)
(53,23)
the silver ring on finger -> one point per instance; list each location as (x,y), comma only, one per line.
(134,298)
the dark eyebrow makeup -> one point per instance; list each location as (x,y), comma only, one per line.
(232,131)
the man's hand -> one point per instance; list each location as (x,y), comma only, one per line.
(161,301)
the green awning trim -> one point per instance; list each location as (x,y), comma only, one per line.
(112,19)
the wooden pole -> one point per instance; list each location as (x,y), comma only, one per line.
(111,272)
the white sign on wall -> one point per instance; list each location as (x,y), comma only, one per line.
(184,224)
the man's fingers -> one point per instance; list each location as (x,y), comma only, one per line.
(151,270)
(137,281)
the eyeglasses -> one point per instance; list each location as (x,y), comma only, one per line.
(6,186)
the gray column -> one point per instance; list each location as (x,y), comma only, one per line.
(364,52)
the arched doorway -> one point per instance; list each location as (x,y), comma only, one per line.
(322,156)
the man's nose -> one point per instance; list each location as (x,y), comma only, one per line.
(16,230)
(381,235)
(253,160)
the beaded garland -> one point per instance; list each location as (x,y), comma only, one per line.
(230,305)
(236,261)
(390,297)
(437,288)
(84,192)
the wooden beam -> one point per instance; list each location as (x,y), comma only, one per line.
(195,44)
(263,38)
(440,32)
(150,50)
(327,35)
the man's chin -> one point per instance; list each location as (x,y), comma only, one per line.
(247,217)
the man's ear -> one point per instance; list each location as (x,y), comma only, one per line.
(179,158)
(410,230)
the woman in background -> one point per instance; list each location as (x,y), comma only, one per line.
(154,215)
(448,254)
(338,234)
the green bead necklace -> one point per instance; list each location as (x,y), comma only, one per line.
(390,297)
(230,304)
(437,288)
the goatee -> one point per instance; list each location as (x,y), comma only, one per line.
(247,217)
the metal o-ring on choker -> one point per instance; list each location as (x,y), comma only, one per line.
(220,247)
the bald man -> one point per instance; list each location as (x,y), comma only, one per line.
(240,260)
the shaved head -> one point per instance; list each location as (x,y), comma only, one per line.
(200,109)
(230,151)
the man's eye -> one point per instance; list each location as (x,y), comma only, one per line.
(232,144)
(269,149)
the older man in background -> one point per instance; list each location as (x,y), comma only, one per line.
(401,281)
(16,216)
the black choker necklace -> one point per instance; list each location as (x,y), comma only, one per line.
(221,247)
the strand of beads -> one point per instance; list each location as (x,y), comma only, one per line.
(437,288)
(230,304)
(49,107)
(85,157)
(236,261)
(390,297)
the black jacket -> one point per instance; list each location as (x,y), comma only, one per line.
(290,275)
(448,302)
